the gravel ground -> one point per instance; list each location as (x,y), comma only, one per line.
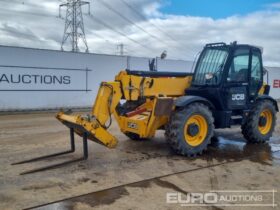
(135,175)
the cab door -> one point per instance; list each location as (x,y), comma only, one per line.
(237,84)
(256,76)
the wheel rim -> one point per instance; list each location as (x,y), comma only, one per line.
(267,115)
(200,122)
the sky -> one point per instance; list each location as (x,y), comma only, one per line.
(216,8)
(148,27)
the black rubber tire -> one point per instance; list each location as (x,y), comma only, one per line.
(175,130)
(134,136)
(250,129)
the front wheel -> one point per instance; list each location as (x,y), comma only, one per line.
(190,130)
(260,123)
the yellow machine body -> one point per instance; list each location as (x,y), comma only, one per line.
(158,94)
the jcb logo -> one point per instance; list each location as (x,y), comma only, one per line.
(238,97)
(132,125)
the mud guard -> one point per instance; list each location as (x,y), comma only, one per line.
(186,100)
(266,97)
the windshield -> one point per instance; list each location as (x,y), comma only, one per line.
(210,66)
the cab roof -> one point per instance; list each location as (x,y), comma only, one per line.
(232,45)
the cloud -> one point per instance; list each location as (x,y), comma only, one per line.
(273,6)
(152,9)
(35,24)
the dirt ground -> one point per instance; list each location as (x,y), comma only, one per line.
(135,175)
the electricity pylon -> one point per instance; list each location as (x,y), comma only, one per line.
(74,25)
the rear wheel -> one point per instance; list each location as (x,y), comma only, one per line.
(260,123)
(190,130)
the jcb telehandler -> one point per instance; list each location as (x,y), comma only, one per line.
(226,89)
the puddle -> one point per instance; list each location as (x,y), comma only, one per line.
(105,197)
(109,196)
(276,158)
(223,149)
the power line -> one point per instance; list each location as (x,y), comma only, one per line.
(139,27)
(119,32)
(100,22)
(95,34)
(26,4)
(112,44)
(128,20)
(135,10)
(28,13)
(146,19)
(21,2)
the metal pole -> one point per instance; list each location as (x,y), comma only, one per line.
(85,146)
(72,139)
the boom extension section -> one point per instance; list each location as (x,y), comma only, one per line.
(141,103)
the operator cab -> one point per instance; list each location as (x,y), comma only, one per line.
(230,77)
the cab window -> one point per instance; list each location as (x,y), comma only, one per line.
(239,68)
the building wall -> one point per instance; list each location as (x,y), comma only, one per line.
(274,81)
(46,79)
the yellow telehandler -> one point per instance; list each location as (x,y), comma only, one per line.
(226,89)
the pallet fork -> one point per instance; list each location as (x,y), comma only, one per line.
(72,150)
